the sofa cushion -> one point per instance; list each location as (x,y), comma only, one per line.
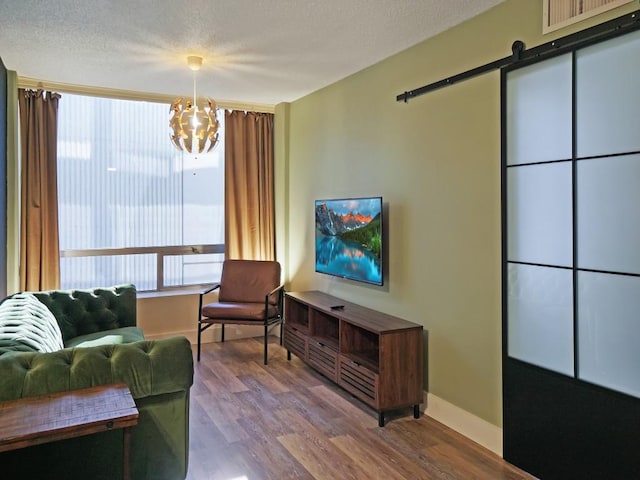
(25,320)
(224,311)
(108,337)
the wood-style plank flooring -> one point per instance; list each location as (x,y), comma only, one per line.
(285,421)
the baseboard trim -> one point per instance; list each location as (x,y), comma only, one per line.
(465,423)
(213,333)
(191,336)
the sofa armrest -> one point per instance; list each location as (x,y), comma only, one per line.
(149,368)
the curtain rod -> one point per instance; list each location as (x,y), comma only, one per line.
(612,28)
(34,83)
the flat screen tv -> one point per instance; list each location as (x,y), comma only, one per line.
(349,238)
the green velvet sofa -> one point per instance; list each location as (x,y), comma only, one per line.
(102,345)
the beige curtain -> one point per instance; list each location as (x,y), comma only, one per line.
(249,196)
(39,250)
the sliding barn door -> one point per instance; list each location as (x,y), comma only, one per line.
(571,262)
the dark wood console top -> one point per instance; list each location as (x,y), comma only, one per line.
(364,317)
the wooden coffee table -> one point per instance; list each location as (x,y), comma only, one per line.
(34,420)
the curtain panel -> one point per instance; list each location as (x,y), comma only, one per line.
(249,186)
(39,246)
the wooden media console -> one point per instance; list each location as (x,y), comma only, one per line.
(376,357)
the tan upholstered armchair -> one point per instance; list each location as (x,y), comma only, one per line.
(250,293)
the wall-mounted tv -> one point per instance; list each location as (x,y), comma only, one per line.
(349,238)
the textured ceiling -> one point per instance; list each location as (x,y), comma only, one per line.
(255,51)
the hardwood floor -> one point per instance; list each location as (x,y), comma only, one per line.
(285,421)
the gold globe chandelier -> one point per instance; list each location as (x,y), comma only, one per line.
(194,129)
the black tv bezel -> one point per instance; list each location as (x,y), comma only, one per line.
(382,236)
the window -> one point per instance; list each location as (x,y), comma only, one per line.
(560,13)
(132,208)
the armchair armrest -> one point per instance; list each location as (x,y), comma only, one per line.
(210,289)
(275,290)
(279,290)
(202,294)
(149,367)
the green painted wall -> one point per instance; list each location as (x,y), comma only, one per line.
(436,162)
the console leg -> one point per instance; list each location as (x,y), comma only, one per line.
(416,411)
(380,419)
(222,333)
(288,354)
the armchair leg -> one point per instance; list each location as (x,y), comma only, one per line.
(222,338)
(265,344)
(199,338)
(281,329)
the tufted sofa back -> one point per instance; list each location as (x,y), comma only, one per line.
(80,312)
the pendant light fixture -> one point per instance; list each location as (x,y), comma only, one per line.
(194,129)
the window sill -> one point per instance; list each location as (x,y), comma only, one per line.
(172,293)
